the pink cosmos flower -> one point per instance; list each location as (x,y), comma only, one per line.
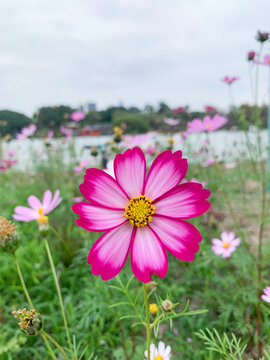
(79,168)
(210,108)
(266,295)
(229,80)
(37,208)
(208,124)
(135,140)
(77,116)
(210,161)
(227,245)
(49,135)
(141,214)
(171,121)
(265,61)
(151,150)
(67,132)
(178,110)
(26,132)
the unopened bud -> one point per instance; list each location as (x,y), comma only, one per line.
(43,225)
(9,239)
(151,285)
(167,306)
(30,322)
(94,151)
(153,309)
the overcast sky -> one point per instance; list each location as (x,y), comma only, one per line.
(135,51)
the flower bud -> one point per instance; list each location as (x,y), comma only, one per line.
(153,309)
(30,322)
(251,55)
(43,225)
(94,151)
(151,285)
(9,239)
(262,36)
(167,305)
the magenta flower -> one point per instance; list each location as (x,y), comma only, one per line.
(26,132)
(141,214)
(229,80)
(251,55)
(77,116)
(37,208)
(67,132)
(178,110)
(266,295)
(171,121)
(227,245)
(210,108)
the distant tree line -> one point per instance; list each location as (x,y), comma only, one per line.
(134,119)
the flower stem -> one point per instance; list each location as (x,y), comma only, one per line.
(55,343)
(26,293)
(148,327)
(59,296)
(23,283)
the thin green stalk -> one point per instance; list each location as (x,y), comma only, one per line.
(23,283)
(59,296)
(49,347)
(30,303)
(148,327)
(56,233)
(55,343)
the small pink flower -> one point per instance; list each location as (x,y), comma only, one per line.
(251,55)
(265,61)
(210,161)
(77,116)
(79,168)
(26,132)
(214,123)
(143,215)
(151,150)
(135,140)
(227,245)
(210,108)
(49,135)
(171,121)
(229,80)
(76,199)
(67,132)
(266,295)
(37,208)
(178,110)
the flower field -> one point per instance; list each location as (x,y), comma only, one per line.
(130,250)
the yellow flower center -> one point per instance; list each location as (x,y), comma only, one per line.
(43,220)
(139,210)
(268,61)
(159,357)
(153,308)
(209,126)
(40,211)
(226,245)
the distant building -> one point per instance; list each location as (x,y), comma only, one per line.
(88,107)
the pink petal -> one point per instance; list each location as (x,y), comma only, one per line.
(130,169)
(185,201)
(54,203)
(34,202)
(101,189)
(266,298)
(96,218)
(29,214)
(167,170)
(179,237)
(109,253)
(21,218)
(47,197)
(217,242)
(148,255)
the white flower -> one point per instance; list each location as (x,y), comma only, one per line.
(159,353)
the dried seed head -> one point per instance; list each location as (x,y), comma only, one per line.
(30,322)
(9,239)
